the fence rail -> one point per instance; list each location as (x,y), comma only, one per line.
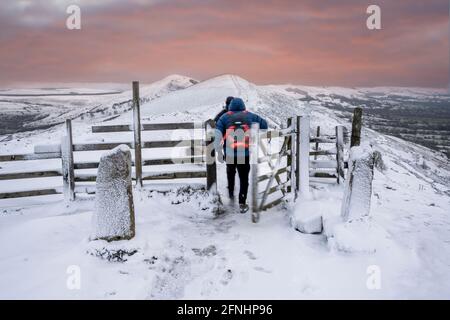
(30,193)
(146,127)
(30,174)
(29,156)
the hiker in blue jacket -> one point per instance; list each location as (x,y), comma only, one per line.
(234,127)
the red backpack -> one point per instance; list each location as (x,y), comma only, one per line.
(237,134)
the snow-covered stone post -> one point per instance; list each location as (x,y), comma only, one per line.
(210,156)
(254,151)
(113,218)
(358,189)
(340,153)
(303,147)
(137,144)
(68,172)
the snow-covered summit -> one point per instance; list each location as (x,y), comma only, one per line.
(209,94)
(170,83)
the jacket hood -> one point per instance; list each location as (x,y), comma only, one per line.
(228,101)
(237,104)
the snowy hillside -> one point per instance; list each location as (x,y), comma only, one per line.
(182,251)
(28,109)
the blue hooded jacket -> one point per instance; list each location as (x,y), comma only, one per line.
(237,112)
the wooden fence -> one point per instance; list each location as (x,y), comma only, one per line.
(328,161)
(327,154)
(73,181)
(287,169)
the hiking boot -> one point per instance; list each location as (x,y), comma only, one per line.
(243,208)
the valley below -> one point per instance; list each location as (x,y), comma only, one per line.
(421,116)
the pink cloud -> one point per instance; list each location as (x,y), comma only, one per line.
(305,42)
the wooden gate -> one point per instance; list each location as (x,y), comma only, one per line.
(275,169)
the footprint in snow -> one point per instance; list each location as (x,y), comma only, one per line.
(261,269)
(172,278)
(206,252)
(226,278)
(225,226)
(250,255)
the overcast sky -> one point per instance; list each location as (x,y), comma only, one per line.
(311,42)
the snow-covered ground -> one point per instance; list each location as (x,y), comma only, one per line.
(182,250)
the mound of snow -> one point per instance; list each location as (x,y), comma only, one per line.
(358,236)
(310,222)
(310,215)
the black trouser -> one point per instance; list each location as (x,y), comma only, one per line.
(243,171)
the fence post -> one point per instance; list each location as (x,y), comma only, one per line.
(211,168)
(293,169)
(137,144)
(304,155)
(356,127)
(199,127)
(297,156)
(289,156)
(192,147)
(317,142)
(254,139)
(340,153)
(68,172)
